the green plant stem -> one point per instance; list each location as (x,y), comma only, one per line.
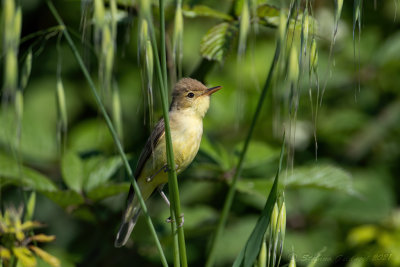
(231,192)
(111,128)
(172,177)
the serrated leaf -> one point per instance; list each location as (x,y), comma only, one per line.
(13,173)
(72,171)
(217,41)
(65,198)
(107,190)
(100,172)
(204,11)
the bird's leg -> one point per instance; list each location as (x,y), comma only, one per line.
(149,179)
(163,195)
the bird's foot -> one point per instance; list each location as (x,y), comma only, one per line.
(181,217)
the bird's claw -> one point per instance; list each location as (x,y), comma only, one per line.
(182,220)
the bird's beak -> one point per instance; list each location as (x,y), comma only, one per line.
(212,90)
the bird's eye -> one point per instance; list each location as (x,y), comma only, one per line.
(190,95)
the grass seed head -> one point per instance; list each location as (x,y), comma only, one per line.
(62,107)
(19,105)
(244,27)
(292,262)
(282,26)
(99,13)
(313,55)
(293,65)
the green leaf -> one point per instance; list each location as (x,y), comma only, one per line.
(323,176)
(204,11)
(216,152)
(108,190)
(249,253)
(217,41)
(320,176)
(72,171)
(17,174)
(65,198)
(99,170)
(90,135)
(259,153)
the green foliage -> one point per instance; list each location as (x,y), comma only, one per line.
(13,173)
(218,41)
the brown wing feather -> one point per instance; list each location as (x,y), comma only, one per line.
(151,143)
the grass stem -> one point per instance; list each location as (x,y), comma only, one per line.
(172,177)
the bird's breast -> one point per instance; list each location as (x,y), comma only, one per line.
(186,133)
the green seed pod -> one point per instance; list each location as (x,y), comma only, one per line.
(282,27)
(99,13)
(62,107)
(19,105)
(144,36)
(274,218)
(117,111)
(282,220)
(26,70)
(8,11)
(244,27)
(339,5)
(149,62)
(113,8)
(292,262)
(17,26)
(313,55)
(178,33)
(262,257)
(108,51)
(306,26)
(293,65)
(11,71)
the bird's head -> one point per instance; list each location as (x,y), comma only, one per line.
(190,94)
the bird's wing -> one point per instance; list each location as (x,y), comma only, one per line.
(152,141)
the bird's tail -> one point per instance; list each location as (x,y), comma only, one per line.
(131,215)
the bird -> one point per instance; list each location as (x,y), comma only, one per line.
(190,102)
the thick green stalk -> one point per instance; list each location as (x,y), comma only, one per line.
(231,192)
(111,128)
(172,177)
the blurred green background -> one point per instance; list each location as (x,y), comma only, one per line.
(342,204)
